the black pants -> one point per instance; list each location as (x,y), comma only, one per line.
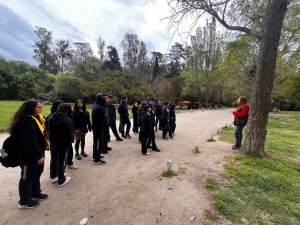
(125,121)
(98,144)
(58,162)
(151,140)
(166,128)
(238,132)
(106,137)
(135,123)
(113,127)
(70,155)
(158,120)
(29,184)
(144,137)
(82,145)
(172,127)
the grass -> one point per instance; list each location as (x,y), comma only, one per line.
(171,173)
(211,184)
(8,109)
(264,190)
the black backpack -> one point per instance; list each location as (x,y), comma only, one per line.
(10,152)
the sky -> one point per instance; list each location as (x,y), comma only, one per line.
(83,21)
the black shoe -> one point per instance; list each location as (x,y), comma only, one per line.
(119,139)
(108,148)
(156,150)
(234,147)
(99,162)
(30,205)
(101,156)
(83,154)
(40,197)
(78,157)
(104,152)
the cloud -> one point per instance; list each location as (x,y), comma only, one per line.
(16,36)
(85,21)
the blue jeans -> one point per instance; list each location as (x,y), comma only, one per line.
(238,132)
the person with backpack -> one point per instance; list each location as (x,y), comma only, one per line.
(82,123)
(240,121)
(31,151)
(61,136)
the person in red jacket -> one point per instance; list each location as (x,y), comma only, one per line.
(240,120)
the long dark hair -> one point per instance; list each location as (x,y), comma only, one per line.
(83,105)
(27,108)
(66,109)
(55,104)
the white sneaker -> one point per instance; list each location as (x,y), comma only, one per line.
(72,167)
(68,178)
(148,153)
(54,180)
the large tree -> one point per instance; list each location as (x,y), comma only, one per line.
(42,50)
(113,61)
(262,20)
(64,53)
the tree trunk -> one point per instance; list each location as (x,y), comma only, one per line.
(259,110)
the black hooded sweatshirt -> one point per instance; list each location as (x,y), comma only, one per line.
(99,118)
(61,130)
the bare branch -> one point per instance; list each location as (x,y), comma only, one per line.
(185,7)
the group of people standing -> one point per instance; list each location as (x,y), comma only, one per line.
(65,126)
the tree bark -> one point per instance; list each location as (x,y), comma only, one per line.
(259,111)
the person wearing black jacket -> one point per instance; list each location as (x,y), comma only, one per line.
(82,123)
(99,124)
(113,117)
(106,131)
(61,136)
(124,117)
(172,119)
(166,120)
(134,110)
(151,140)
(146,128)
(31,153)
(158,114)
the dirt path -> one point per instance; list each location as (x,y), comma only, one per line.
(129,189)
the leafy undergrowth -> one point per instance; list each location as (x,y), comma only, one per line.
(264,190)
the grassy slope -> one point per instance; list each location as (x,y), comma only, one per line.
(264,190)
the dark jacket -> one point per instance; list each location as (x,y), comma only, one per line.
(123,110)
(81,120)
(172,115)
(135,109)
(99,118)
(61,130)
(32,141)
(158,110)
(152,113)
(165,113)
(112,113)
(147,125)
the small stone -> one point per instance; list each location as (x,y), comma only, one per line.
(193,218)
